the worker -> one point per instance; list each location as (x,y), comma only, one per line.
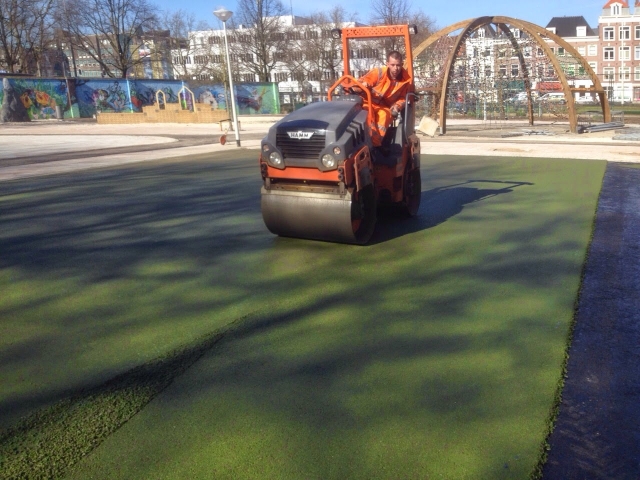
(389,86)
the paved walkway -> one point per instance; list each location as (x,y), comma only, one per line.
(50,147)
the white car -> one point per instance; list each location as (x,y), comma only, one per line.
(586,100)
(552,98)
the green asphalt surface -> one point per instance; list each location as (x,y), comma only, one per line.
(153,327)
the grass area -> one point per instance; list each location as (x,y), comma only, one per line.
(435,352)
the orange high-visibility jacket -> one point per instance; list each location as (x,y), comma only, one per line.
(386,92)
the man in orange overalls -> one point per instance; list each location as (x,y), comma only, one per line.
(389,87)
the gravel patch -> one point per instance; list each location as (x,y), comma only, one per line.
(597,433)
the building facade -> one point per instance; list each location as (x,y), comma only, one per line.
(304,69)
(612,49)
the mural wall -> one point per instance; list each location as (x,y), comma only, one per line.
(80,98)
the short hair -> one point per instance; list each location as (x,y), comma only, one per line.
(395,55)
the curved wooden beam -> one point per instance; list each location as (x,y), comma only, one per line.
(462,36)
(538,34)
(597,86)
(525,71)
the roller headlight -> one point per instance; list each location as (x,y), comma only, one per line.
(275,158)
(328,160)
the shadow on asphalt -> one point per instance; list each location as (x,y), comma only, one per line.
(437,206)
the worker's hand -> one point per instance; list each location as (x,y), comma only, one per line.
(394,111)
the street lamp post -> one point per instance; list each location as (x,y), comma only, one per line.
(223,14)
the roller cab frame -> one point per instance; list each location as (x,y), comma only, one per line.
(322,178)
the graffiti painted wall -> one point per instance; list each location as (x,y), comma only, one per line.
(41,96)
(251,98)
(87,97)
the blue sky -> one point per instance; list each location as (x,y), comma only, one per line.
(444,12)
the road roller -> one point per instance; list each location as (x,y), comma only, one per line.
(322,177)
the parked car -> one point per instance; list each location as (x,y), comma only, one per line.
(522,97)
(554,97)
(587,100)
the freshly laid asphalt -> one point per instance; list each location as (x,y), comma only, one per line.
(597,432)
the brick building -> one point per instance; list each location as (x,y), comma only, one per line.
(612,50)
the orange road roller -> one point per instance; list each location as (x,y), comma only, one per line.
(322,177)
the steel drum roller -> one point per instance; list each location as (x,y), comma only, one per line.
(318,216)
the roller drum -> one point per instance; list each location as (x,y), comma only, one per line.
(319,216)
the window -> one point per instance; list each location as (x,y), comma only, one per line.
(540,52)
(581,31)
(625,53)
(311,34)
(594,66)
(246,57)
(248,77)
(609,53)
(296,56)
(637,32)
(216,58)
(214,40)
(608,74)
(280,77)
(636,74)
(487,71)
(593,50)
(582,50)
(243,38)
(625,73)
(503,71)
(514,70)
(636,52)
(615,9)
(608,33)
(560,52)
(553,50)
(625,33)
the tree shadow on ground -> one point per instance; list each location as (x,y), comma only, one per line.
(437,206)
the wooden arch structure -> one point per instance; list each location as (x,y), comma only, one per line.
(538,34)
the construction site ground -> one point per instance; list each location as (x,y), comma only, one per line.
(596,434)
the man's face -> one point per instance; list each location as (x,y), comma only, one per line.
(395,68)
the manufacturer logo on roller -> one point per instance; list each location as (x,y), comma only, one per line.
(300,135)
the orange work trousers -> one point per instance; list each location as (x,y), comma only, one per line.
(382,119)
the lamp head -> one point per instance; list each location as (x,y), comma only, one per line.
(223,14)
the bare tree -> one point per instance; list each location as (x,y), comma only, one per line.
(109,31)
(397,12)
(264,42)
(324,53)
(390,12)
(185,47)
(24,33)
